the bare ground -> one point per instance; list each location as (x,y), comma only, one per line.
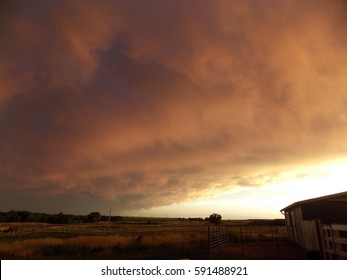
(284,250)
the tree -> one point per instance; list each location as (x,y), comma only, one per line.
(24,216)
(12,216)
(215,219)
(94,217)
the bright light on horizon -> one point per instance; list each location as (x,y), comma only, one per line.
(264,201)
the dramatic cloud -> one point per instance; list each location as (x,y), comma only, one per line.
(146,103)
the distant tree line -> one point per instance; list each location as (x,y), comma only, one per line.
(60,218)
(195,219)
(269,222)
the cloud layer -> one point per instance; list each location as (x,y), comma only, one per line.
(147,103)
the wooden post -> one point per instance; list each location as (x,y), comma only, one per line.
(241,240)
(277,243)
(109,220)
(333,239)
(209,240)
(320,239)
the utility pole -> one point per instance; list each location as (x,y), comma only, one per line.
(109,219)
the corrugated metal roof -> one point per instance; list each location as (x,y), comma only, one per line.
(335,196)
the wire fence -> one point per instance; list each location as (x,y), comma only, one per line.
(100,229)
(221,237)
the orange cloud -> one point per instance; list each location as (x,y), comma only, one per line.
(150,105)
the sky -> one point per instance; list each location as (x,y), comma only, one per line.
(172,108)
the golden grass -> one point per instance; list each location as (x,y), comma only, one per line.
(25,248)
(31,248)
(173,239)
(99,241)
(23,224)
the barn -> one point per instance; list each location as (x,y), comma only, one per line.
(319,225)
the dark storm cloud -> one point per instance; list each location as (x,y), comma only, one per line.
(147,103)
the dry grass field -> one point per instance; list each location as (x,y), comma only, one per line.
(173,240)
(163,246)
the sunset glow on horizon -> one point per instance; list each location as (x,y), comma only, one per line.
(263,202)
(172,108)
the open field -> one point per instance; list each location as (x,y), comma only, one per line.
(139,240)
(167,246)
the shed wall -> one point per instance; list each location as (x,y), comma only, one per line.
(310,234)
(327,211)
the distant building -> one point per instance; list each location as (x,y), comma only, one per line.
(319,225)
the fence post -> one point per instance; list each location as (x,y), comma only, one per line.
(320,236)
(241,240)
(209,240)
(333,238)
(277,243)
